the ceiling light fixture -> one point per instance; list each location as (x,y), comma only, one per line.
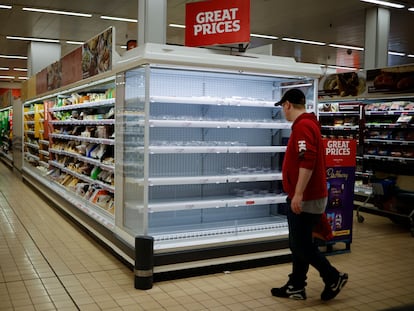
(6,77)
(385,3)
(57,12)
(119,19)
(342,67)
(4,68)
(304,41)
(22,78)
(3,6)
(19,69)
(75,42)
(411,9)
(176,25)
(410,55)
(13,56)
(263,36)
(340,46)
(396,53)
(33,39)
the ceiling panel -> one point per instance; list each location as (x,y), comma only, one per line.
(340,22)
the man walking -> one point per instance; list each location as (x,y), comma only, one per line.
(304,181)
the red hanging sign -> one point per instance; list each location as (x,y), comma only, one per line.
(217,22)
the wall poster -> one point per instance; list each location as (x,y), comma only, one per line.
(342,85)
(97,54)
(392,80)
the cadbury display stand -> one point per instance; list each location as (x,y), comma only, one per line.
(340,175)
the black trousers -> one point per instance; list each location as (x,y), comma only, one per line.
(304,250)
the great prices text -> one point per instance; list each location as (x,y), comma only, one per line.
(217,21)
(338,148)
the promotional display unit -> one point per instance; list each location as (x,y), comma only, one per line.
(340,176)
(184,146)
(377,111)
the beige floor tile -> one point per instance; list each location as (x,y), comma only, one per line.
(47,263)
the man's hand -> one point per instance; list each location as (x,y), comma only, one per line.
(303,180)
(296,203)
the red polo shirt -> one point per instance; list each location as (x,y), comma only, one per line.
(305,149)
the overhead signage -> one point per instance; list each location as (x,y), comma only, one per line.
(217,22)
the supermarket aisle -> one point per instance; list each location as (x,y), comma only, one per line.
(47,263)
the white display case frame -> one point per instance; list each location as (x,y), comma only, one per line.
(158,57)
(200,247)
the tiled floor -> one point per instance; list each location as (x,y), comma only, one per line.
(47,263)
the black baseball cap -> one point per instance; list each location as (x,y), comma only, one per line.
(295,96)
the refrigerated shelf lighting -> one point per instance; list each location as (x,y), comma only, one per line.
(295,85)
